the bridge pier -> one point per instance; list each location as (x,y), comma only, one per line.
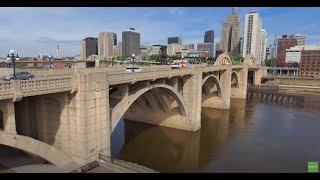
(8,115)
(91,131)
(258,74)
(241,91)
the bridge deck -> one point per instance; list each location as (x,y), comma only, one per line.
(54,81)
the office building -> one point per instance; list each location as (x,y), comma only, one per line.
(301,39)
(89,47)
(310,61)
(206,47)
(263,45)
(284,43)
(252,32)
(209,37)
(174,40)
(130,43)
(231,33)
(105,45)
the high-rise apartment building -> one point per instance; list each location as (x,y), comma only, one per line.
(231,33)
(300,38)
(174,40)
(284,43)
(263,45)
(130,43)
(252,32)
(209,37)
(89,47)
(106,41)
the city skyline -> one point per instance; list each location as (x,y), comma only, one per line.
(30,34)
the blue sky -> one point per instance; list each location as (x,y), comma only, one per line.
(31,31)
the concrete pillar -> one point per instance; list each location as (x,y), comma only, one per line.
(288,73)
(280,71)
(9,121)
(257,77)
(241,91)
(225,82)
(64,128)
(294,73)
(192,95)
(273,71)
(91,130)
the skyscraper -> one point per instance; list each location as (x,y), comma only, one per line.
(105,44)
(209,36)
(89,47)
(231,33)
(252,32)
(263,45)
(130,43)
(174,40)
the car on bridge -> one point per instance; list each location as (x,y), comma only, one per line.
(136,69)
(175,66)
(20,75)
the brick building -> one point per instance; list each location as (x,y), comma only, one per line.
(283,44)
(310,62)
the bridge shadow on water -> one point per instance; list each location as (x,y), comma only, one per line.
(171,150)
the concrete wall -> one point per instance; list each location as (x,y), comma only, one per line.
(298,82)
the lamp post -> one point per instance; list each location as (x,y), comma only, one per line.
(133,57)
(13,57)
(50,60)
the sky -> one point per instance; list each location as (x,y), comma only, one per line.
(33,31)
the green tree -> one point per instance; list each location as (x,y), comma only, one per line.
(154,57)
(236,58)
(271,62)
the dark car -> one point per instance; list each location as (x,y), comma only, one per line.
(20,75)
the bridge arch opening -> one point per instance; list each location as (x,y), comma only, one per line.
(234,80)
(211,87)
(158,104)
(154,105)
(222,60)
(38,117)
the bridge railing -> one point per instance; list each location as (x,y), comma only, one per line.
(6,90)
(21,88)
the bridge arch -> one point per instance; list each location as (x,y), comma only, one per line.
(249,60)
(30,145)
(223,59)
(215,81)
(124,105)
(234,80)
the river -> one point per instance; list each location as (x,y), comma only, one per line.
(249,137)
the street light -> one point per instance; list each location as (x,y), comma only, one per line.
(133,57)
(50,60)
(12,57)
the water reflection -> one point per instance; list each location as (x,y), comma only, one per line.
(249,137)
